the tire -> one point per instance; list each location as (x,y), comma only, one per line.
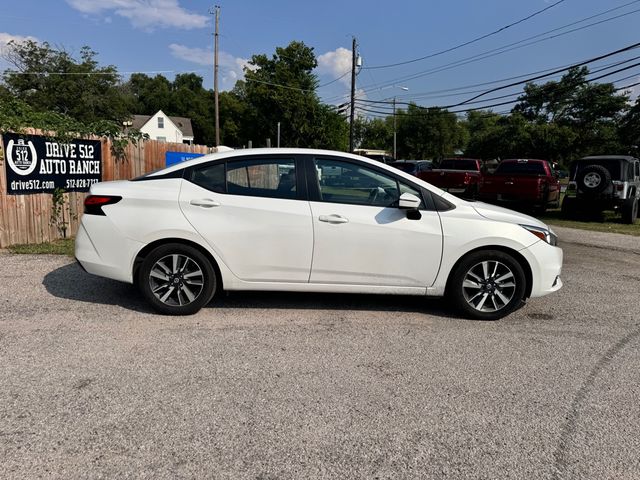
(594,179)
(177,279)
(630,211)
(471,193)
(542,208)
(569,207)
(487,293)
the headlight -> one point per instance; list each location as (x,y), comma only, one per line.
(543,234)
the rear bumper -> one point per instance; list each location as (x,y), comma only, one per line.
(117,252)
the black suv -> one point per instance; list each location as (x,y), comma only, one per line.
(600,183)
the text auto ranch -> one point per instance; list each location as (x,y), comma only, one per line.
(56,153)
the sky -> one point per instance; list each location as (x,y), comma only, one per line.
(172,36)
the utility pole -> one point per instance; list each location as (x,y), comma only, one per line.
(216,12)
(395,156)
(353,93)
(278,134)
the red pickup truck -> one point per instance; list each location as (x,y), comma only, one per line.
(525,182)
(460,176)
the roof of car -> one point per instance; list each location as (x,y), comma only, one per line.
(263,151)
(524,160)
(609,157)
(409,161)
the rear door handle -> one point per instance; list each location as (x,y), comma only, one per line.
(333,219)
(205,203)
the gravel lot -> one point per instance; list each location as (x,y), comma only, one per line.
(278,386)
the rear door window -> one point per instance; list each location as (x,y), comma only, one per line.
(255,177)
(274,178)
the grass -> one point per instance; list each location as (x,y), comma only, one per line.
(610,222)
(57,247)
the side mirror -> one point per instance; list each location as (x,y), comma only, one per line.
(408,201)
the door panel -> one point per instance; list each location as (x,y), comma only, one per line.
(259,238)
(362,237)
(375,246)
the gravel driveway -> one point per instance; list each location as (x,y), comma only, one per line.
(280,386)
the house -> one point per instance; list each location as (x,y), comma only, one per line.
(163,127)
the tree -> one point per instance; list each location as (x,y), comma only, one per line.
(185,96)
(375,133)
(53,80)
(283,89)
(581,117)
(428,133)
(629,130)
(150,94)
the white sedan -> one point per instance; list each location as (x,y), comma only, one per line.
(310,221)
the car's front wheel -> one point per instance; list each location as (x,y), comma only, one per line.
(487,285)
(177,279)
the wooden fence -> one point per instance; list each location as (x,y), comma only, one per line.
(27,218)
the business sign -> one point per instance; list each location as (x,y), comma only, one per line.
(171,158)
(36,164)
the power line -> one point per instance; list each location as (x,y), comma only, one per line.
(510,47)
(16,72)
(157,72)
(519,93)
(485,107)
(538,77)
(335,79)
(432,94)
(475,40)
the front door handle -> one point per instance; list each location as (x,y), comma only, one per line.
(205,203)
(333,219)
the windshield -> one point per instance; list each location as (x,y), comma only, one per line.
(459,164)
(521,168)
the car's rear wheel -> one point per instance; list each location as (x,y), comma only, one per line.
(487,285)
(177,279)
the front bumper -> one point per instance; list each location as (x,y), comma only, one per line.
(546,267)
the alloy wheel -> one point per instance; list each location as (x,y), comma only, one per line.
(489,286)
(176,280)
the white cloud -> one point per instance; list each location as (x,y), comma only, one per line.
(145,14)
(633,92)
(336,63)
(231,68)
(5,38)
(193,55)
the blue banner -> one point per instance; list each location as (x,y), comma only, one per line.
(171,158)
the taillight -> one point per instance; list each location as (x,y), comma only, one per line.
(93,203)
